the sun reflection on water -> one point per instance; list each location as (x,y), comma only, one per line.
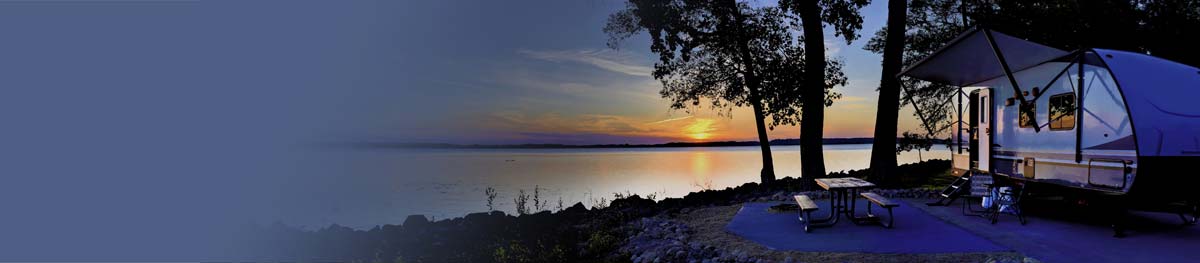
(701,169)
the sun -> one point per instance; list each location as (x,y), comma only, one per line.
(700,129)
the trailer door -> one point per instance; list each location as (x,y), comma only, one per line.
(984,143)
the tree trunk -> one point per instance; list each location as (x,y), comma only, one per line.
(754,84)
(768,171)
(883,151)
(812,120)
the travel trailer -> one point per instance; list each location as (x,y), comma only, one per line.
(1101,121)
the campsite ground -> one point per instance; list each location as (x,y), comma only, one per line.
(709,226)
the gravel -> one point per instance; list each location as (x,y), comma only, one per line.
(697,235)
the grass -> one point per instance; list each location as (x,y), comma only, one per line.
(937,180)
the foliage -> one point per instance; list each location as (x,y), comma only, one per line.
(785,105)
(603,240)
(730,54)
(910,141)
(930,24)
(1168,28)
(560,204)
(491,197)
(914,141)
(597,203)
(517,252)
(707,184)
(706,55)
(514,252)
(522,201)
(842,15)
(537,200)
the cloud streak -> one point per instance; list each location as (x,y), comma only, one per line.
(595,124)
(604,59)
(671,120)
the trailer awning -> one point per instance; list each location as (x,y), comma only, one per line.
(971,58)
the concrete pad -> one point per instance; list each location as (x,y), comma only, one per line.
(914,232)
(1058,234)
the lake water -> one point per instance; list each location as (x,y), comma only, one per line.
(383,186)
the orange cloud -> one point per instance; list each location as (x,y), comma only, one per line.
(686,128)
(700,129)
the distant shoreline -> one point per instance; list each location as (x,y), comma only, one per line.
(777,142)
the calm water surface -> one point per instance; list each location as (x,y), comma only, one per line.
(384,186)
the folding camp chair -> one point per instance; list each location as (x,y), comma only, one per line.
(980,189)
(1008,199)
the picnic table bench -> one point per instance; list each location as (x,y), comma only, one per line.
(806,207)
(882,202)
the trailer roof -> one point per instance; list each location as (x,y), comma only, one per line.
(971,58)
(1161,96)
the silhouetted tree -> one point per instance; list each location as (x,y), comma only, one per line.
(786,78)
(930,25)
(725,52)
(883,149)
(844,17)
(1170,28)
(914,141)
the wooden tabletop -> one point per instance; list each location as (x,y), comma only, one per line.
(843,183)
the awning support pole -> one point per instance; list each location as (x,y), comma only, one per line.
(1008,72)
(917,109)
(958,136)
(1076,59)
(1079,111)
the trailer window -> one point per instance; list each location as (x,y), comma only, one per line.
(1062,111)
(1027,113)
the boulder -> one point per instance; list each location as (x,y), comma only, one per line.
(416,221)
(578,208)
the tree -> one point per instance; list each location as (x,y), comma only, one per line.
(725,52)
(844,17)
(883,149)
(914,141)
(930,24)
(1170,27)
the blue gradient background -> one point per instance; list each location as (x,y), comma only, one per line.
(161,130)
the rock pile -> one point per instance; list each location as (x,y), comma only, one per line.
(656,239)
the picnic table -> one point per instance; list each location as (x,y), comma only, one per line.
(843,193)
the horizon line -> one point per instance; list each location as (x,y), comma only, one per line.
(779,142)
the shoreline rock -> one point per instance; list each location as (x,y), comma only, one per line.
(627,229)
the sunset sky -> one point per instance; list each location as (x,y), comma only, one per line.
(539,72)
(143,116)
